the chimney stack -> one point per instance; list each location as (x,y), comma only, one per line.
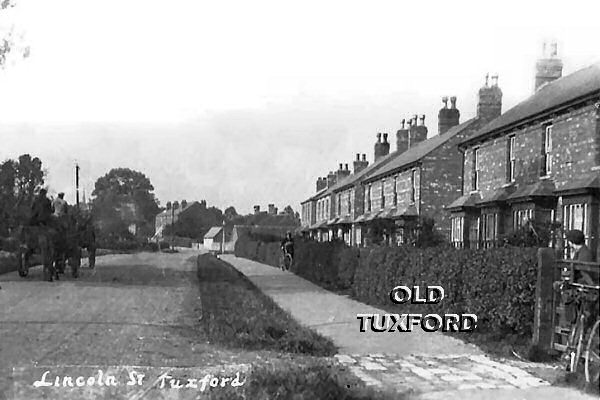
(256,209)
(331,179)
(342,173)
(489,104)
(402,139)
(183,204)
(360,165)
(382,149)
(417,133)
(448,117)
(272,210)
(549,67)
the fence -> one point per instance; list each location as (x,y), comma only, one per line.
(549,311)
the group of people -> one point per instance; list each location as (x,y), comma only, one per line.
(43,208)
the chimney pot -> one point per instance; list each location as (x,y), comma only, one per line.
(403,122)
(453,101)
(357,157)
(553,49)
(445,101)
(346,169)
(385,136)
(495,80)
(423,119)
(364,157)
(341,166)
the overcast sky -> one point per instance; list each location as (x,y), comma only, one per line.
(248,102)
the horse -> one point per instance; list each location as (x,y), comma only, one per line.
(79,233)
(38,239)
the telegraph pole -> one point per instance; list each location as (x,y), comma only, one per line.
(223,239)
(77,185)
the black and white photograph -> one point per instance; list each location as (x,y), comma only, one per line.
(334,200)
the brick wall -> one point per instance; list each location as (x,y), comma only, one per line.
(575,148)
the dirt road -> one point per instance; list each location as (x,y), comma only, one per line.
(135,310)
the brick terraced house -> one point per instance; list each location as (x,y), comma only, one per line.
(538,161)
(418,179)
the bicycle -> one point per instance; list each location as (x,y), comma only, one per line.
(286,261)
(584,295)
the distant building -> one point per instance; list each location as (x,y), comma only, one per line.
(213,240)
(172,213)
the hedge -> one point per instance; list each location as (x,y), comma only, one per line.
(497,285)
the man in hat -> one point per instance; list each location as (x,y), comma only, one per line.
(576,240)
(41,210)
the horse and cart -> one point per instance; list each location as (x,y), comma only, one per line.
(56,243)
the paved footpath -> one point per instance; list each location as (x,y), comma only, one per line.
(426,365)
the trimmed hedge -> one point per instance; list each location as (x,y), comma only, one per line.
(497,285)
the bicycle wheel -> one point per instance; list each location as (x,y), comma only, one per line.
(287,262)
(575,345)
(592,357)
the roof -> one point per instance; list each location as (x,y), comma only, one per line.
(542,188)
(213,232)
(498,195)
(467,200)
(353,178)
(587,181)
(567,89)
(419,151)
(177,210)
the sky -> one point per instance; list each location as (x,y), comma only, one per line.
(249,102)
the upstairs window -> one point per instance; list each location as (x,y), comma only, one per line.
(413,186)
(349,203)
(369,198)
(383,194)
(475,170)
(510,159)
(546,159)
(395,190)
(339,205)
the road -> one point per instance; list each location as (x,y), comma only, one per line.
(133,310)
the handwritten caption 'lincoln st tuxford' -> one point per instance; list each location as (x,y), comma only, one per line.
(428,322)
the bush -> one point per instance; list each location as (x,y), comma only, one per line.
(497,285)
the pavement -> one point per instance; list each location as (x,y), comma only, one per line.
(419,364)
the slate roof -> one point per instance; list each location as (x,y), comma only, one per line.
(213,232)
(579,84)
(467,200)
(542,188)
(420,150)
(587,181)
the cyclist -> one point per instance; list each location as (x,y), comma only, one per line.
(576,240)
(287,245)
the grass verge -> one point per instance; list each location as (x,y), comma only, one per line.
(236,314)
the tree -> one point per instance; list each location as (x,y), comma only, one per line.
(116,191)
(19,181)
(230,213)
(288,210)
(195,222)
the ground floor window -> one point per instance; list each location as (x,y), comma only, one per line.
(489,229)
(575,217)
(474,238)
(521,217)
(457,237)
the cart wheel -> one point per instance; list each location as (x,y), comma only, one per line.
(575,346)
(592,357)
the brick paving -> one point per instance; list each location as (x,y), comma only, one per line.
(424,373)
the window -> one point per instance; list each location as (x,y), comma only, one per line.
(413,186)
(339,205)
(521,217)
(369,198)
(489,229)
(383,194)
(574,217)
(475,170)
(395,190)
(474,233)
(457,231)
(510,159)
(546,161)
(349,203)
